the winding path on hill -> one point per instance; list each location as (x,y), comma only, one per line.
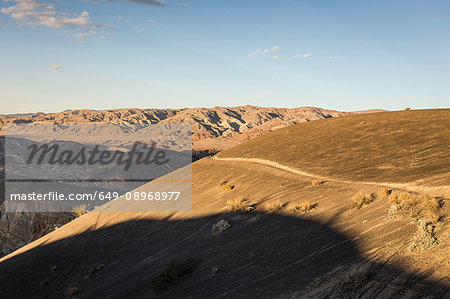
(443,191)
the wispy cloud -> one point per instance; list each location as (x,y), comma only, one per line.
(146,2)
(276,57)
(35,13)
(122,19)
(257,52)
(273,49)
(265,51)
(303,55)
(89,35)
(56,67)
(139,29)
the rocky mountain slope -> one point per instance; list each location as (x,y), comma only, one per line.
(213,128)
(266,228)
(217,127)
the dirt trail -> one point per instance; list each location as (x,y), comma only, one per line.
(442,191)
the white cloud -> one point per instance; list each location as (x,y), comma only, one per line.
(265,51)
(35,13)
(147,2)
(273,49)
(276,57)
(88,35)
(257,52)
(302,55)
(56,67)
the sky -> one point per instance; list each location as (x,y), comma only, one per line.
(106,54)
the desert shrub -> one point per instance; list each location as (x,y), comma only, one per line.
(360,199)
(80,210)
(303,207)
(274,207)
(72,291)
(317,182)
(96,268)
(240,204)
(353,280)
(407,109)
(174,272)
(220,226)
(386,192)
(416,206)
(226,187)
(424,237)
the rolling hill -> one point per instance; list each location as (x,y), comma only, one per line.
(326,216)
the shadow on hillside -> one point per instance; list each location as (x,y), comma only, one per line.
(261,255)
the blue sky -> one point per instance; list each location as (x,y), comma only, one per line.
(343,55)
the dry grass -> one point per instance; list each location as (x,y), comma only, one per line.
(274,207)
(72,291)
(424,237)
(96,268)
(227,187)
(417,206)
(80,210)
(173,273)
(425,211)
(386,192)
(240,204)
(303,207)
(360,199)
(317,182)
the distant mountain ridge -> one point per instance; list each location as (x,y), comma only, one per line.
(217,127)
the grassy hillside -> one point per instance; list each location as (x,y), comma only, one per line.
(400,147)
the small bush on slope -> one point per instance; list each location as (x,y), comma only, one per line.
(79,210)
(275,207)
(303,207)
(416,206)
(317,182)
(425,211)
(220,226)
(173,273)
(386,192)
(360,199)
(240,204)
(227,187)
(424,237)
